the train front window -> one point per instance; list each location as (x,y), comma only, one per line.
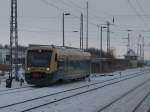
(39,58)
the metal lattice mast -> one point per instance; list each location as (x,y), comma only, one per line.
(13,37)
(87,25)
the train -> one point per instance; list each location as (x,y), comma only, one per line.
(48,64)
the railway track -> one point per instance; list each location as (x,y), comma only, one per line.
(140,103)
(22,89)
(17,90)
(126,94)
(59,96)
(26,88)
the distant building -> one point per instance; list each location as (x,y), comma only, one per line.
(4,52)
(5,55)
(132,58)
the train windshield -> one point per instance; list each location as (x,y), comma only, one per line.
(39,58)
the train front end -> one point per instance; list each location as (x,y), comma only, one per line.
(38,67)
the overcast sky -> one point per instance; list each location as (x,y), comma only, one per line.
(40,22)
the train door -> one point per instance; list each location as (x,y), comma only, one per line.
(56,62)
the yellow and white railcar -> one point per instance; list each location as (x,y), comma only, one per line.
(48,64)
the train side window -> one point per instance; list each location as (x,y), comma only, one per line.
(56,57)
(61,65)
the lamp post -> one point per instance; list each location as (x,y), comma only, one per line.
(101,40)
(101,44)
(63,15)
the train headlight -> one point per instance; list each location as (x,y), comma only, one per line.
(47,69)
(28,68)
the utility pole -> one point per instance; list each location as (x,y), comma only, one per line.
(141,40)
(108,37)
(13,37)
(63,29)
(16,42)
(101,44)
(101,49)
(63,25)
(141,44)
(81,31)
(128,40)
(101,41)
(138,49)
(108,34)
(138,39)
(143,49)
(87,27)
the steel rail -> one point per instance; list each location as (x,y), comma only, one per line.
(122,96)
(140,103)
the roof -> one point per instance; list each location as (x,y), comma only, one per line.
(130,52)
(63,51)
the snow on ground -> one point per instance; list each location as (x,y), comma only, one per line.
(145,106)
(17,84)
(14,83)
(93,101)
(89,102)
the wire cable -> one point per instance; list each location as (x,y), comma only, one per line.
(138,14)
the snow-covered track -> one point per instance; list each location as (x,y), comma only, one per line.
(126,94)
(32,104)
(140,103)
(16,90)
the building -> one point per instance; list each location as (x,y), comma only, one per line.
(5,55)
(132,58)
(4,52)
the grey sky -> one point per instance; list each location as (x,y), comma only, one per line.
(40,22)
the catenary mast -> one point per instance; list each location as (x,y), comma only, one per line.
(14,38)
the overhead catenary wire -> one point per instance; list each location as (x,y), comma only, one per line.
(75,6)
(59,8)
(138,14)
(142,10)
(74,16)
(91,11)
